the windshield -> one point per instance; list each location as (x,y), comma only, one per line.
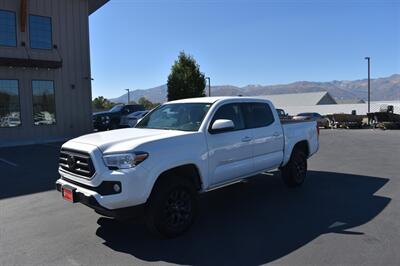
(116,108)
(177,116)
(136,114)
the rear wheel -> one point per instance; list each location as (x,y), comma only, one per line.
(172,207)
(295,172)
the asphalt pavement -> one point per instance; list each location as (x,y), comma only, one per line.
(346,213)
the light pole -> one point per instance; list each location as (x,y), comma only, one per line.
(209,86)
(369,83)
(129,97)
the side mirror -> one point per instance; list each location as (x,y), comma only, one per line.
(222,125)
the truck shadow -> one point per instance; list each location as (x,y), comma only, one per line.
(259,221)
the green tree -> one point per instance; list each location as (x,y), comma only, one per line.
(101,103)
(147,104)
(185,80)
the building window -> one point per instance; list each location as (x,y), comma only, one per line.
(8,32)
(10,115)
(40,32)
(44,109)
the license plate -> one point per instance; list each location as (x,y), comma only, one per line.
(68,194)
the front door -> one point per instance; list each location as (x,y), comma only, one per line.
(230,153)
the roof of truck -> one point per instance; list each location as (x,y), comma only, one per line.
(212,99)
(200,100)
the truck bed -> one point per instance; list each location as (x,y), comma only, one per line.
(296,131)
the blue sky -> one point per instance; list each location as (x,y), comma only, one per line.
(241,42)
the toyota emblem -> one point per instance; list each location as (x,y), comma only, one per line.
(71,161)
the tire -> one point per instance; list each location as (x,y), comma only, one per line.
(172,207)
(295,171)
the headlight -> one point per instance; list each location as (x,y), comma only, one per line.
(125,160)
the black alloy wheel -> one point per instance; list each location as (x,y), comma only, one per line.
(178,209)
(295,171)
(172,207)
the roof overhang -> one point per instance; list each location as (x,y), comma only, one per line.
(96,4)
(29,62)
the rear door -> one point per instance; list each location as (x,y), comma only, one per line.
(230,153)
(268,139)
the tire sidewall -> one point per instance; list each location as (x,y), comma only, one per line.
(298,157)
(289,172)
(156,221)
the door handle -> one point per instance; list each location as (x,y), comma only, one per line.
(276,134)
(246,139)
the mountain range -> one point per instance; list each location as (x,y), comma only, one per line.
(382,89)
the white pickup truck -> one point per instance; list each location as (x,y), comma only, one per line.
(181,149)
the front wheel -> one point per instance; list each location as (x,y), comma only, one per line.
(172,207)
(113,126)
(295,171)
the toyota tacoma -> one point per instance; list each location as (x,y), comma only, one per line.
(180,149)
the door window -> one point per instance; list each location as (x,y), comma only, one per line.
(231,112)
(258,115)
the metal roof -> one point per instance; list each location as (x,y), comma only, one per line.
(360,108)
(300,99)
(96,4)
(349,101)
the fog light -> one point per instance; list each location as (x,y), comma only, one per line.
(117,188)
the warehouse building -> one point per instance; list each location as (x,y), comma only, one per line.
(45,78)
(300,99)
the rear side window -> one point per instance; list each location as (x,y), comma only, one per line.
(231,112)
(258,115)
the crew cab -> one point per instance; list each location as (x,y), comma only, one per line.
(178,150)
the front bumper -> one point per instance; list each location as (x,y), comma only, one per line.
(135,183)
(91,201)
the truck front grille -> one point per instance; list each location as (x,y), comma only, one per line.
(77,163)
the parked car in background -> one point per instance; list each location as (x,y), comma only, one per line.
(132,119)
(321,121)
(179,150)
(111,119)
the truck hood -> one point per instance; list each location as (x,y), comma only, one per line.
(125,139)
